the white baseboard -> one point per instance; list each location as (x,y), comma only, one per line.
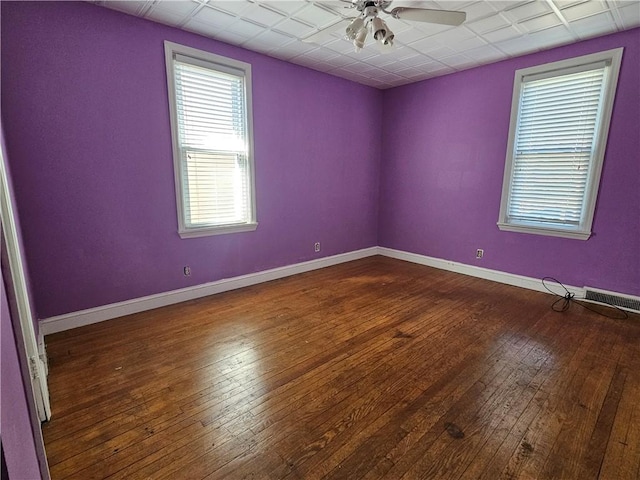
(106,312)
(136,305)
(494,275)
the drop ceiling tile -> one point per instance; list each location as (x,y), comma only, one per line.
(200,28)
(327,67)
(418,77)
(363,68)
(457,60)
(306,62)
(489,24)
(593,26)
(259,47)
(453,36)
(236,8)
(355,77)
(410,35)
(583,10)
(441,70)
(428,64)
(566,3)
(507,28)
(316,16)
(500,5)
(393,67)
(328,34)
(428,45)
(551,37)
(284,7)
(437,51)
(380,60)
(388,76)
(408,54)
(398,51)
(245,28)
(630,14)
(321,54)
(477,11)
(517,46)
(528,10)
(294,28)
(342,61)
(408,72)
(398,26)
(485,53)
(373,82)
(425,70)
(227,37)
(290,50)
(430,28)
(540,23)
(179,8)
(133,7)
(263,15)
(360,68)
(364,54)
(459,5)
(214,17)
(502,34)
(388,54)
(268,40)
(421,4)
(163,16)
(340,45)
(335,5)
(345,73)
(467,44)
(399,83)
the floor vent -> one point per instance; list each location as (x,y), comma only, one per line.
(628,303)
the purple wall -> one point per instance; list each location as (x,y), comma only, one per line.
(87,126)
(442,168)
(17,437)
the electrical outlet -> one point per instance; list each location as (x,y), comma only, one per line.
(187,271)
(316,247)
(479,253)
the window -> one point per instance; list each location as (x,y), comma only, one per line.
(557,138)
(211,126)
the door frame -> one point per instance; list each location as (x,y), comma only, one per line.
(34,370)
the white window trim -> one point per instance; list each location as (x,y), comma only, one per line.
(583,231)
(171,49)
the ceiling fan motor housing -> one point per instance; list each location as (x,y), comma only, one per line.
(362,4)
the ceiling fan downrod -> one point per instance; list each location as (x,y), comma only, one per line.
(368,19)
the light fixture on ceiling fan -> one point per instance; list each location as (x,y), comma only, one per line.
(369,21)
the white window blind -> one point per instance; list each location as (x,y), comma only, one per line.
(556,147)
(212,133)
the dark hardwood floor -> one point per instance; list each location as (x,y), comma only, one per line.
(371,369)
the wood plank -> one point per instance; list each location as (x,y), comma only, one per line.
(501,445)
(372,369)
(621,460)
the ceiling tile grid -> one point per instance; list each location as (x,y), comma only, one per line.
(493,31)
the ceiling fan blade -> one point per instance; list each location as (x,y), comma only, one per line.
(325,34)
(442,17)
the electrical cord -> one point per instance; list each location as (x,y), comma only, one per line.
(563,303)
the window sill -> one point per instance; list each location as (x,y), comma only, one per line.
(547,231)
(221,230)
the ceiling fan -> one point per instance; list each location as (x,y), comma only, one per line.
(369,21)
